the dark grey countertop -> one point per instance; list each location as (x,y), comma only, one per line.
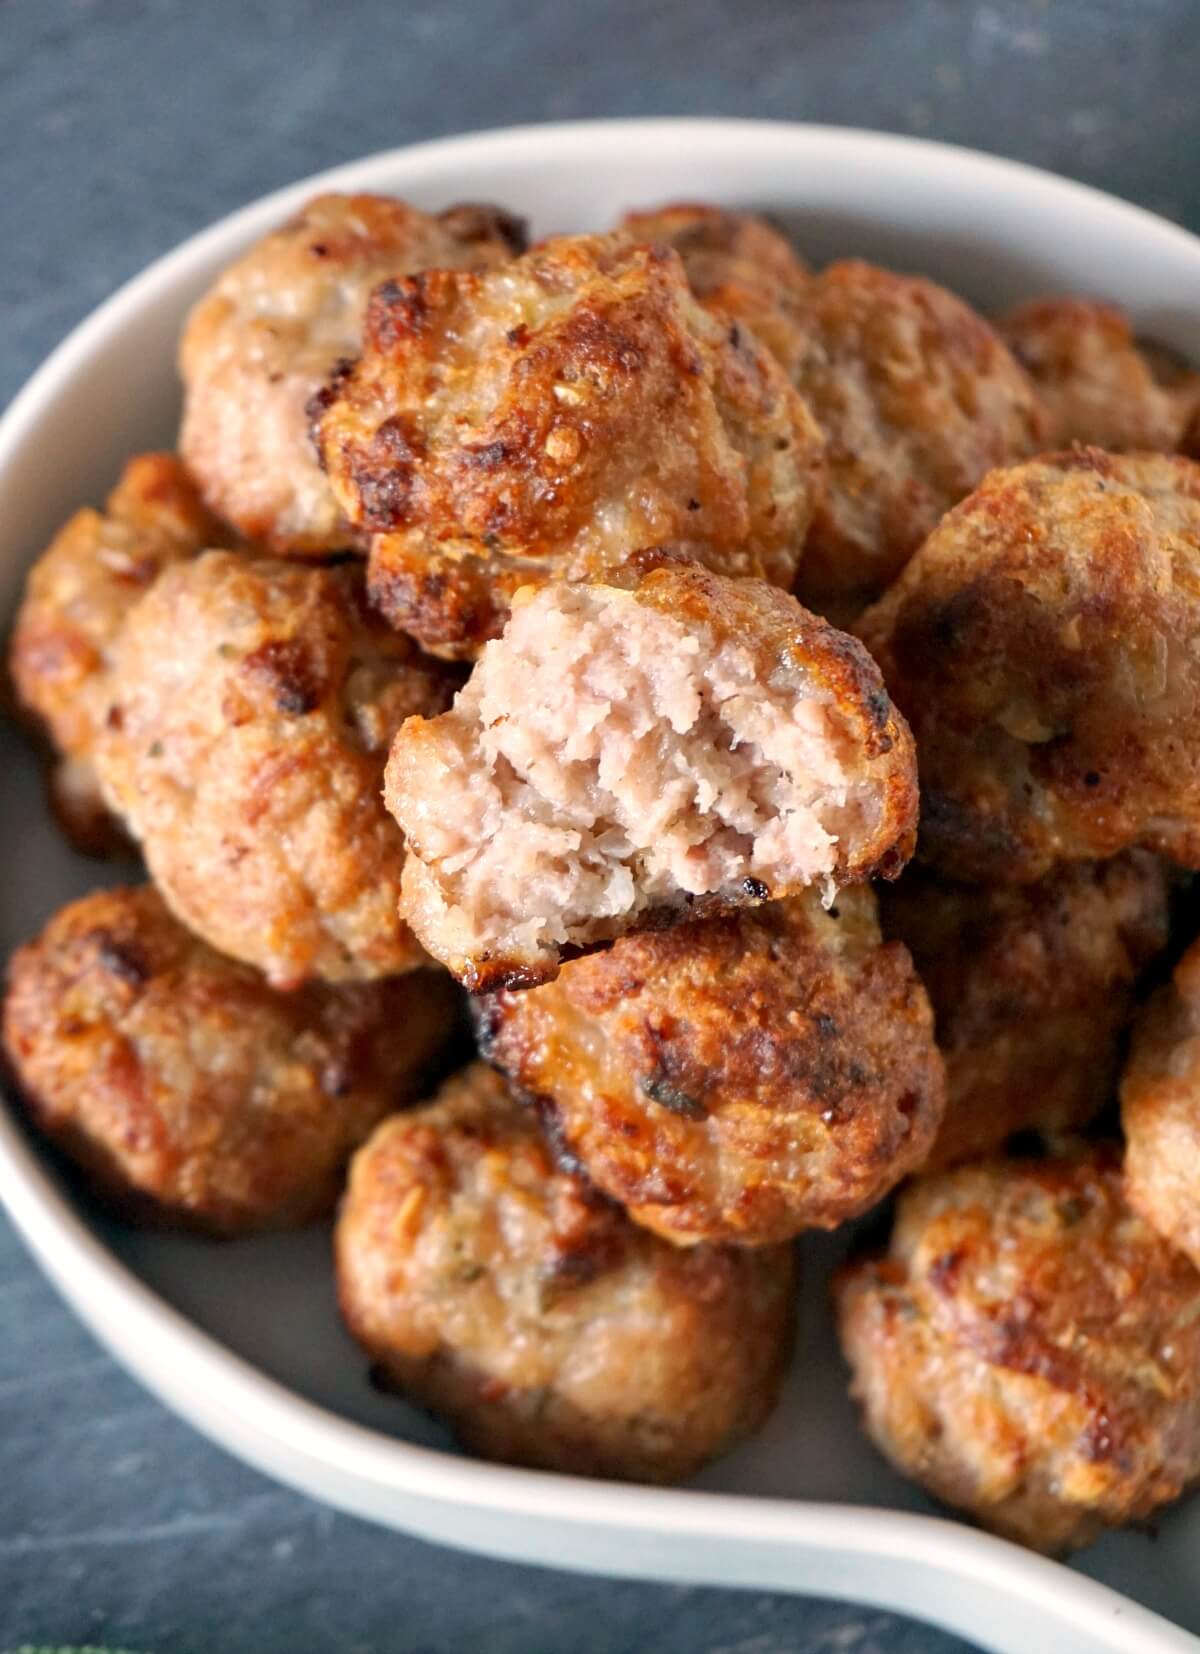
(124,126)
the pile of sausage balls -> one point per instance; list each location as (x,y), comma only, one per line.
(568,624)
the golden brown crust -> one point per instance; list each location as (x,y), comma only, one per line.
(547,418)
(530,1313)
(1044,646)
(251,709)
(917,398)
(1029,1350)
(268,334)
(784,647)
(1096,382)
(1160,1110)
(1032,988)
(79,592)
(739,265)
(735,1080)
(190,1092)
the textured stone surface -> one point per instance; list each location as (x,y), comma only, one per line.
(124,126)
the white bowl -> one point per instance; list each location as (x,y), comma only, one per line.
(243,1341)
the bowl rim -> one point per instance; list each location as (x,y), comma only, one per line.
(259,1418)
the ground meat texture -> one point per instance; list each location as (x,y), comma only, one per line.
(917,398)
(547,418)
(77,596)
(629,756)
(1099,384)
(734,1080)
(739,265)
(191,1093)
(251,709)
(269,333)
(529,1312)
(1160,1110)
(1033,989)
(1029,1350)
(1044,645)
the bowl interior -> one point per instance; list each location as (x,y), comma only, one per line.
(993,231)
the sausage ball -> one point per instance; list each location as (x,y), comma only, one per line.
(1045,644)
(532,1315)
(1160,1110)
(1032,988)
(1097,383)
(917,398)
(737,1079)
(630,755)
(736,263)
(251,707)
(544,420)
(193,1094)
(77,596)
(272,329)
(1029,1350)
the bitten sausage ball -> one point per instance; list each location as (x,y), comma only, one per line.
(544,419)
(533,1316)
(734,1080)
(1160,1110)
(1097,383)
(193,1094)
(630,755)
(1032,988)
(1029,1350)
(273,328)
(738,264)
(917,398)
(1045,646)
(77,596)
(252,703)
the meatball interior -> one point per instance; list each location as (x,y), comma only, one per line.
(737,1079)
(192,1094)
(626,756)
(1029,1350)
(530,1313)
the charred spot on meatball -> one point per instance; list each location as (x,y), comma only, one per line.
(541,420)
